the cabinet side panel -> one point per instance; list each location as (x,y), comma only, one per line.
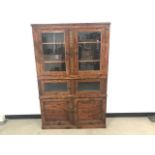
(107,37)
(36,50)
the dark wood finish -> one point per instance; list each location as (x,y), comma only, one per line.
(90,112)
(72,98)
(56,112)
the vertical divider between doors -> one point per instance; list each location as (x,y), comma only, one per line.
(107,48)
(76,61)
(102,52)
(67,50)
(71,50)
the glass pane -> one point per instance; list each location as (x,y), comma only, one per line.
(54,51)
(89,66)
(89,51)
(52,37)
(54,67)
(88,86)
(55,86)
(89,36)
(89,47)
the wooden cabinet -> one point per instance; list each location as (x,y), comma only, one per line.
(72,63)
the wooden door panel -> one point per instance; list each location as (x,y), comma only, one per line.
(90,112)
(56,113)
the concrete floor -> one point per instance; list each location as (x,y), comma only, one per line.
(115,126)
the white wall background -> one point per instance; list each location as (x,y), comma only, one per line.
(131,84)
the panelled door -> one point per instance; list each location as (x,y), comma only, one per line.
(90,112)
(57,112)
(75,112)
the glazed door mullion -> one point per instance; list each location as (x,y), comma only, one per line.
(72,51)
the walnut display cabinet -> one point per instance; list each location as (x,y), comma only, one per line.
(72,64)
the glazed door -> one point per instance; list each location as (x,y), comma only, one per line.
(90,87)
(54,88)
(90,51)
(70,51)
(52,50)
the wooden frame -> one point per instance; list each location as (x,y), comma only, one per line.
(63,109)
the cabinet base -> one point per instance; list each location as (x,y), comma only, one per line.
(53,125)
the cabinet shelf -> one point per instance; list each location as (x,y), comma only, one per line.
(89,42)
(54,61)
(97,60)
(53,43)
